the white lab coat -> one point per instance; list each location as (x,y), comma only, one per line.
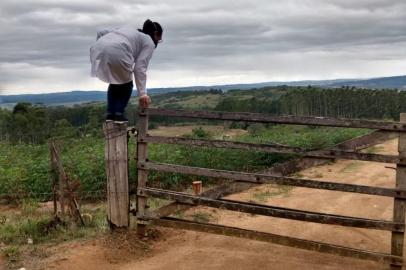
(119,53)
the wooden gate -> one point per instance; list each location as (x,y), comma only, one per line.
(212,198)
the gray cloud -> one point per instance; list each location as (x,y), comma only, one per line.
(45,43)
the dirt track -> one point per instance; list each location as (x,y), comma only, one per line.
(177,249)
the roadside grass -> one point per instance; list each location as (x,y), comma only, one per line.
(155,203)
(202,217)
(318,175)
(374,150)
(276,190)
(29,227)
(350,167)
(12,253)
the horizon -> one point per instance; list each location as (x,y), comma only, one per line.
(187,86)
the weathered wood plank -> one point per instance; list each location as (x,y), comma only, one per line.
(117,174)
(61,178)
(122,185)
(399,206)
(53,175)
(295,165)
(368,140)
(269,179)
(214,193)
(115,212)
(277,239)
(354,144)
(290,119)
(107,168)
(272,148)
(142,174)
(272,211)
(284,168)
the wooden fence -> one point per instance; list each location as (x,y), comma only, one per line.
(212,198)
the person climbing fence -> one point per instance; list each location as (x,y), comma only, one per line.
(118,55)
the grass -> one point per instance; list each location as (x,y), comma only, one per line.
(352,166)
(208,101)
(31,222)
(178,130)
(202,217)
(43,228)
(318,175)
(155,203)
(179,214)
(24,171)
(12,253)
(24,167)
(301,136)
(374,149)
(264,196)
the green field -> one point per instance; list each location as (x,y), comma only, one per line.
(24,167)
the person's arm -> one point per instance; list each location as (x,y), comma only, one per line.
(140,69)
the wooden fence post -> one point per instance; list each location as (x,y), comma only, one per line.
(116,162)
(142,175)
(399,206)
(53,175)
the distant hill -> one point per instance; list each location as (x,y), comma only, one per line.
(78,97)
(65,98)
(227,87)
(397,82)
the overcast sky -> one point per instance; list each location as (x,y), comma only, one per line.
(44,44)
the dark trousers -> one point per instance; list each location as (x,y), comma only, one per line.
(118,96)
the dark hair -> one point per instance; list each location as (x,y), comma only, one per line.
(149,28)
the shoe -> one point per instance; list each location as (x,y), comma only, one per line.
(120,119)
(109,117)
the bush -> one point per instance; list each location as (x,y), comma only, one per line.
(24,168)
(201,133)
(256,129)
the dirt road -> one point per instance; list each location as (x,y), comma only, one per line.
(177,249)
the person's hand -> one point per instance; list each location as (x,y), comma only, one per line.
(144,101)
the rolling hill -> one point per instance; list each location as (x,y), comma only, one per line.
(78,97)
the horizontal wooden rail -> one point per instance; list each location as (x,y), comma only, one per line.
(274,148)
(278,239)
(213,193)
(269,179)
(272,211)
(290,119)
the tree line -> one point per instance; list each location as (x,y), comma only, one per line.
(35,123)
(313,101)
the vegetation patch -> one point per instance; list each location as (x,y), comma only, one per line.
(373,150)
(202,217)
(264,196)
(30,227)
(350,167)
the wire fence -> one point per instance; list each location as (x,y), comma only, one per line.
(43,196)
(38,137)
(25,171)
